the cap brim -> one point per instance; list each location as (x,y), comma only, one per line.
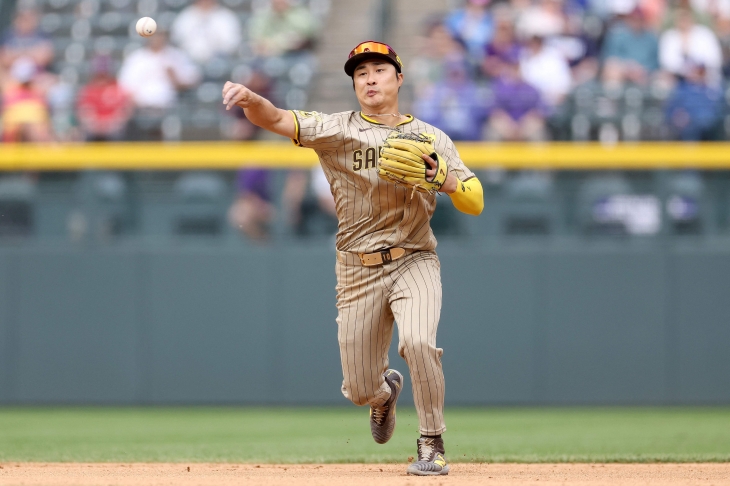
(358,59)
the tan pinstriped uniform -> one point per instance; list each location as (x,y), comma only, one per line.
(375,215)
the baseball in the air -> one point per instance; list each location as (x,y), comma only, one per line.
(146,26)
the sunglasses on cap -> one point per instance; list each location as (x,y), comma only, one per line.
(368,48)
(371,46)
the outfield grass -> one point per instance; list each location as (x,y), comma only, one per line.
(295,435)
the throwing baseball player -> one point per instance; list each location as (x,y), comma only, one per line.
(384,169)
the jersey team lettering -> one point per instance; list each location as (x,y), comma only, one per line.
(371,158)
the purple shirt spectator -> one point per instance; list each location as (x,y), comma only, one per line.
(516,98)
(504,46)
(498,54)
(254,181)
(503,52)
(517,112)
(252,211)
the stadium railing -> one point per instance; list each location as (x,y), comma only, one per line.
(234,155)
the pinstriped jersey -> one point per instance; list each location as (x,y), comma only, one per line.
(373,214)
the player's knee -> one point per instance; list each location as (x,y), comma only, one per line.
(359,401)
(415,347)
(355,397)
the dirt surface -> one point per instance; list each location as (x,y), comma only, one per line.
(194,474)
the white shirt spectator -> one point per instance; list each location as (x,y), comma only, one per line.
(206,32)
(548,71)
(699,46)
(712,7)
(146,75)
(539,21)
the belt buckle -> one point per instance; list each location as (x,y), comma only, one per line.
(386,256)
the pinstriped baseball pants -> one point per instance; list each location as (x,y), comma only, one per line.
(369,300)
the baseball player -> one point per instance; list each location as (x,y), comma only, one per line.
(384,169)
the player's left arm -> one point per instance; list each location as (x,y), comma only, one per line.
(461,184)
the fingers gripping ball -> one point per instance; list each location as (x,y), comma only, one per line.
(401,161)
(146,26)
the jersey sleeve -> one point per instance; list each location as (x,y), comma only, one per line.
(316,130)
(446,149)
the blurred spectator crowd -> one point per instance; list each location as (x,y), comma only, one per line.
(77,69)
(530,70)
(604,70)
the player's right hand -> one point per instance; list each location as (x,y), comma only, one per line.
(237,94)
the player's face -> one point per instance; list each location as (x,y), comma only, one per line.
(376,83)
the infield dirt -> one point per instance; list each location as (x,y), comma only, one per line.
(196,474)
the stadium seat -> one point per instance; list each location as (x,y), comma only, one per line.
(17,204)
(104,202)
(685,206)
(202,200)
(529,204)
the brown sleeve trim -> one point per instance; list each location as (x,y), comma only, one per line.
(472,177)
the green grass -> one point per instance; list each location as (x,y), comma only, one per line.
(295,435)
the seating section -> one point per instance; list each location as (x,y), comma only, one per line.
(82,29)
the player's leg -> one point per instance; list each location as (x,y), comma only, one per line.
(415,300)
(365,329)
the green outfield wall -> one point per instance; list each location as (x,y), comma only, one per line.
(522,323)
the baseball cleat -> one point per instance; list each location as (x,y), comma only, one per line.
(382,418)
(431,460)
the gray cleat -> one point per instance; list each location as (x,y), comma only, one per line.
(382,418)
(431,460)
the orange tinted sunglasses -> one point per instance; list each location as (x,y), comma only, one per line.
(371,46)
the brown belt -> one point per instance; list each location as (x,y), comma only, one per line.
(378,258)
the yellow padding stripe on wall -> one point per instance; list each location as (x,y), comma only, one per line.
(154,156)
(231,155)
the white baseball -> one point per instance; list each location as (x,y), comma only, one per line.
(146,26)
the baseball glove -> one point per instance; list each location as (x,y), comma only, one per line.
(401,162)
